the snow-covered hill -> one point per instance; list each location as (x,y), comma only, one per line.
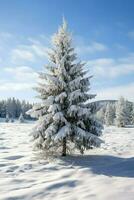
(101,174)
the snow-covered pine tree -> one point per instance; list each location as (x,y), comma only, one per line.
(11,107)
(121,112)
(7,118)
(100,114)
(129,108)
(21,118)
(109,114)
(133,114)
(64,118)
(3,109)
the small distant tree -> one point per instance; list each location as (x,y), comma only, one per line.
(132,114)
(64,117)
(121,119)
(100,115)
(109,114)
(129,108)
(7,118)
(21,118)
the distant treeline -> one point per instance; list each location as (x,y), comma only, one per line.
(118,113)
(14,108)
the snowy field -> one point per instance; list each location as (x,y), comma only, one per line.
(101,174)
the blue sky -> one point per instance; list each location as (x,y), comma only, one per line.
(103,34)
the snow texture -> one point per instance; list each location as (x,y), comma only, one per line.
(106,173)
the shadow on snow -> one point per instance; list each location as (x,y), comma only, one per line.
(103,164)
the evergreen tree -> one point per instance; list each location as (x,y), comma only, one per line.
(129,108)
(7,118)
(64,118)
(109,114)
(100,115)
(1,105)
(14,107)
(121,113)
(133,114)
(19,108)
(21,118)
(2,109)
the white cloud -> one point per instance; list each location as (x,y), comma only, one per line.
(39,50)
(126,91)
(91,48)
(21,55)
(5,35)
(22,78)
(30,52)
(38,47)
(8,86)
(111,68)
(22,73)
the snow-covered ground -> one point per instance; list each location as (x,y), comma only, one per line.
(101,174)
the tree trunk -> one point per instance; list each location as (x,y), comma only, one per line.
(64,147)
